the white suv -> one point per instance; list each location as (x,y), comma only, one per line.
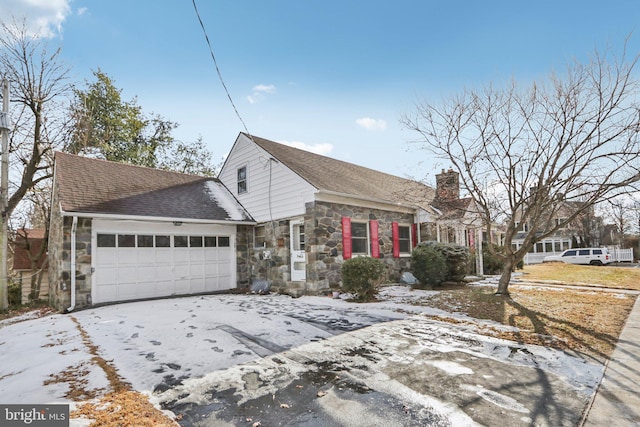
(593,256)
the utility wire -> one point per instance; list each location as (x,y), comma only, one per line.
(218,70)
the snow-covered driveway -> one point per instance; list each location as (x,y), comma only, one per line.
(226,359)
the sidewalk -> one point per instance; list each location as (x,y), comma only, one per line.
(617,400)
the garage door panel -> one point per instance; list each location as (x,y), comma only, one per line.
(106,293)
(108,256)
(197,284)
(165,288)
(147,290)
(182,286)
(127,273)
(210,269)
(127,291)
(181,271)
(163,272)
(146,256)
(181,255)
(211,254)
(164,255)
(146,273)
(106,276)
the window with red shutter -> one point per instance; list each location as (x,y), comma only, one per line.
(375,242)
(346,237)
(414,235)
(395,232)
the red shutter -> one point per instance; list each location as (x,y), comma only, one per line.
(346,237)
(396,239)
(375,242)
(414,235)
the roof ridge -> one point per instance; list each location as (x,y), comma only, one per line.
(56,153)
(344,162)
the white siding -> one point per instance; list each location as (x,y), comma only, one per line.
(266,179)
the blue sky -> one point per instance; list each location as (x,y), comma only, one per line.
(333,76)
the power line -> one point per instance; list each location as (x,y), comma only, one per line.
(218,69)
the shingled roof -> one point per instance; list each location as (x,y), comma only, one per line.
(338,176)
(28,241)
(88,186)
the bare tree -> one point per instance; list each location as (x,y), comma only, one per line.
(620,211)
(529,151)
(39,87)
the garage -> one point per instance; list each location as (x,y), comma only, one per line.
(137,260)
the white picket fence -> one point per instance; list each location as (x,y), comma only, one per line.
(621,255)
(617,255)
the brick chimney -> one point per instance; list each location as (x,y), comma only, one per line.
(448,186)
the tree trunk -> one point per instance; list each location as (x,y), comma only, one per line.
(36,283)
(505,278)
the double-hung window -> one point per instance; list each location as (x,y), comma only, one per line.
(242,180)
(359,238)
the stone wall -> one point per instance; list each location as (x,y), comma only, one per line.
(323,232)
(60,262)
(244,245)
(324,242)
(59,296)
(271,261)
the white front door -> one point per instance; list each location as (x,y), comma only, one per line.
(298,255)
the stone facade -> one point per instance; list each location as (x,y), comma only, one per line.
(60,262)
(323,233)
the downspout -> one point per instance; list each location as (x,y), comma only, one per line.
(74,226)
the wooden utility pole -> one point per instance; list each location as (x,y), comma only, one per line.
(4,197)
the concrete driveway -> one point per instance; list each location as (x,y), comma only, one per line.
(224,360)
(273,360)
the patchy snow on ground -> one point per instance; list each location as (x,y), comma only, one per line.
(182,351)
(44,350)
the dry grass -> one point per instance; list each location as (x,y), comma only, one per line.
(585,321)
(612,277)
(123,409)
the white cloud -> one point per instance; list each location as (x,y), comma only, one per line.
(259,92)
(372,124)
(81,11)
(42,17)
(264,88)
(322,149)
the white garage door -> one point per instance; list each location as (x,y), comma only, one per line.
(147,260)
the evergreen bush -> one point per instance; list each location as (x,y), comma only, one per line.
(361,276)
(14,293)
(457,258)
(428,265)
(491,263)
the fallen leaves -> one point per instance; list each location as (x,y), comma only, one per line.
(568,319)
(123,409)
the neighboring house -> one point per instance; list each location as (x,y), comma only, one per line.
(584,231)
(30,264)
(120,232)
(314,212)
(459,220)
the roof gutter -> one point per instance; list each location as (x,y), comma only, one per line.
(74,226)
(154,218)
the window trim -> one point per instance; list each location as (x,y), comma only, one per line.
(409,240)
(244,181)
(367,239)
